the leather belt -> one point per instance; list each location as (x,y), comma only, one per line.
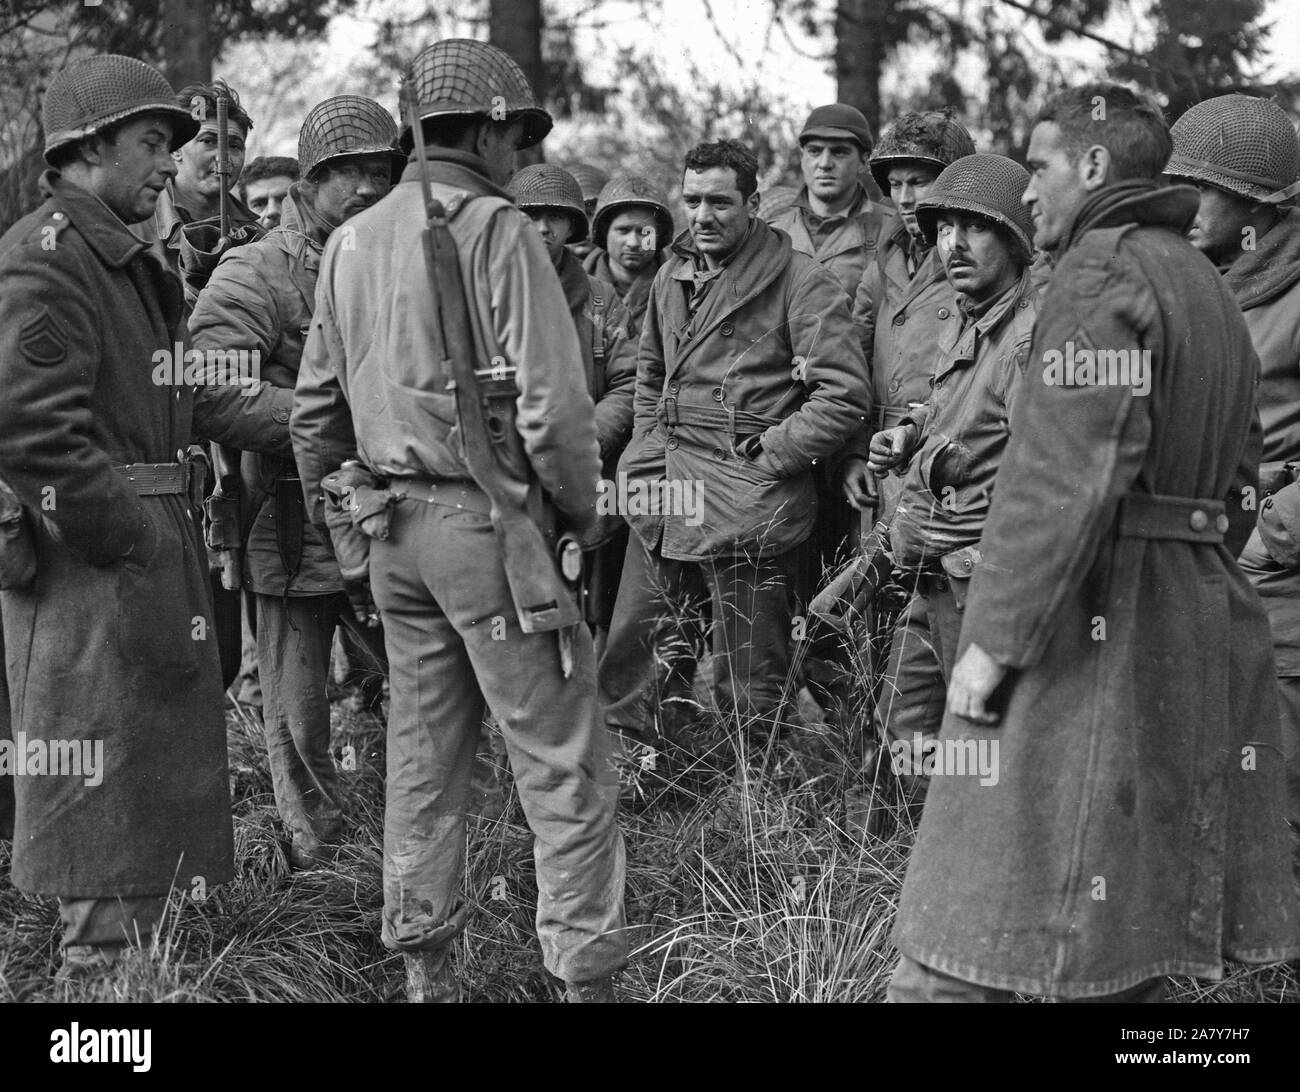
(886,415)
(156,479)
(449,492)
(1186,519)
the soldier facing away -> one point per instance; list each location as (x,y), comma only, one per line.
(372,387)
(260,300)
(1112,651)
(110,647)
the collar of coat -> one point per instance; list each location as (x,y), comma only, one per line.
(170,215)
(100,226)
(1134,201)
(452,167)
(1261,275)
(573,279)
(862,206)
(995,313)
(298,216)
(597,264)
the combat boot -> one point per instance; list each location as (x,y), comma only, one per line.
(429,978)
(596,991)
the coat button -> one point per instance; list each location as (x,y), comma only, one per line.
(1221,524)
(1198,520)
(671,444)
(726,329)
(281,415)
(944,312)
(1023,304)
(899,320)
(895,385)
(719,454)
(717,394)
(673,387)
(966,563)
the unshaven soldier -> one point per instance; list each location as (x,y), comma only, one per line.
(372,388)
(260,300)
(1111,646)
(748,372)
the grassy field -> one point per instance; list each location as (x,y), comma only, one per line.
(743,885)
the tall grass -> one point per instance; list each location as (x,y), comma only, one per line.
(745,883)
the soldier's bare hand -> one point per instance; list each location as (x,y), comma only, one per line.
(859,486)
(974,678)
(891,447)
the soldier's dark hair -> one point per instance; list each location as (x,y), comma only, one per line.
(1130,125)
(268,166)
(726,153)
(209,92)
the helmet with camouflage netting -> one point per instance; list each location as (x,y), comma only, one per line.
(347,125)
(1244,145)
(591,179)
(546,186)
(90,95)
(460,77)
(933,137)
(631,191)
(985,185)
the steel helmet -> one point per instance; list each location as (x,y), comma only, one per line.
(460,77)
(1244,145)
(591,179)
(931,136)
(90,95)
(546,186)
(347,125)
(986,185)
(631,191)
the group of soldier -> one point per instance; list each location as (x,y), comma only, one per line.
(798,382)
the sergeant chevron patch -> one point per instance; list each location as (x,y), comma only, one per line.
(42,340)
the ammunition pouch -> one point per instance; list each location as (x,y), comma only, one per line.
(960,566)
(17,550)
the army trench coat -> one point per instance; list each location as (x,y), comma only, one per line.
(113,641)
(1136,826)
(769,354)
(260,299)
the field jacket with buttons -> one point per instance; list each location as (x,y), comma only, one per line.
(739,398)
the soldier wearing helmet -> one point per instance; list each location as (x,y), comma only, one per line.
(592,180)
(1242,156)
(259,301)
(110,641)
(949,446)
(905,307)
(550,197)
(185,230)
(372,389)
(631,229)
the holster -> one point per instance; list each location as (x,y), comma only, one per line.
(960,566)
(356,510)
(17,549)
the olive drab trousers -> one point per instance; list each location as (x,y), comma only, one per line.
(454,644)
